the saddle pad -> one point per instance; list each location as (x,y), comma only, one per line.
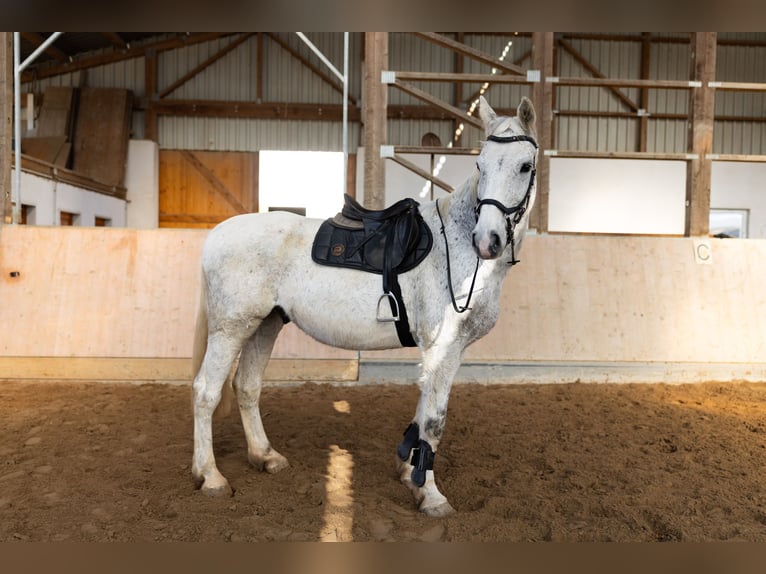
(339,246)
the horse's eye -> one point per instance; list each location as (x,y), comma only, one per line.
(525,167)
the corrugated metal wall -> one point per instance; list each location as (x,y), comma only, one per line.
(740,64)
(285,79)
(668,61)
(615,59)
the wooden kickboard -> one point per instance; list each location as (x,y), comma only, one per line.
(164,369)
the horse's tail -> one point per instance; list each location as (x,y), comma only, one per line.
(200,330)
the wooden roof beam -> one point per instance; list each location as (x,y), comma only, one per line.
(118,56)
(445,42)
(115,40)
(434,101)
(297,111)
(253,110)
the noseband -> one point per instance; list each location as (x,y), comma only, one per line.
(512,214)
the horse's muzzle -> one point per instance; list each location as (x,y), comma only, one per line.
(488,247)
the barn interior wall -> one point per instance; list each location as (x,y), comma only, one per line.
(121,304)
(585,118)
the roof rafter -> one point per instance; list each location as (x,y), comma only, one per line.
(444,41)
(115,40)
(120,55)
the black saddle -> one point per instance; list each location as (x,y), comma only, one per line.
(387,242)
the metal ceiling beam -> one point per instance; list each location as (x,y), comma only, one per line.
(344,80)
(36,40)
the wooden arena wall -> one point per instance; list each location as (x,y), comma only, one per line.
(120,304)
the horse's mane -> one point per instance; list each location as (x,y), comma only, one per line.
(468,187)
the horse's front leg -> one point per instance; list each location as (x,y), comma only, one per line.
(415,454)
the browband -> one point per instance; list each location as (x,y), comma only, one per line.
(511,139)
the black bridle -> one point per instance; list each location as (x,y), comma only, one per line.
(512,214)
(512,217)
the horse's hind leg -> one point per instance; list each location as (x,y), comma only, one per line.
(222,349)
(247,383)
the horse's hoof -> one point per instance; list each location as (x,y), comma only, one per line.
(439,510)
(276,464)
(222,491)
(272,464)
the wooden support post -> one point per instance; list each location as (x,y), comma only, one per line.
(6,124)
(700,142)
(374,116)
(542,98)
(150,116)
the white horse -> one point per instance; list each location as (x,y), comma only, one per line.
(257,273)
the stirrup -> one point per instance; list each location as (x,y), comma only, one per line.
(390,297)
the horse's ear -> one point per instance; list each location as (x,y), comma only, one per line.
(487,114)
(526,114)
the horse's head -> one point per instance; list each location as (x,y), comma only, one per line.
(506,177)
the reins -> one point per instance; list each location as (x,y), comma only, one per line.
(449,270)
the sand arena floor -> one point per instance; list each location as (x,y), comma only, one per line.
(576,462)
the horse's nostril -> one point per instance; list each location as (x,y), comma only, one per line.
(495,243)
(473,239)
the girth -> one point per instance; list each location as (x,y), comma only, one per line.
(387,242)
